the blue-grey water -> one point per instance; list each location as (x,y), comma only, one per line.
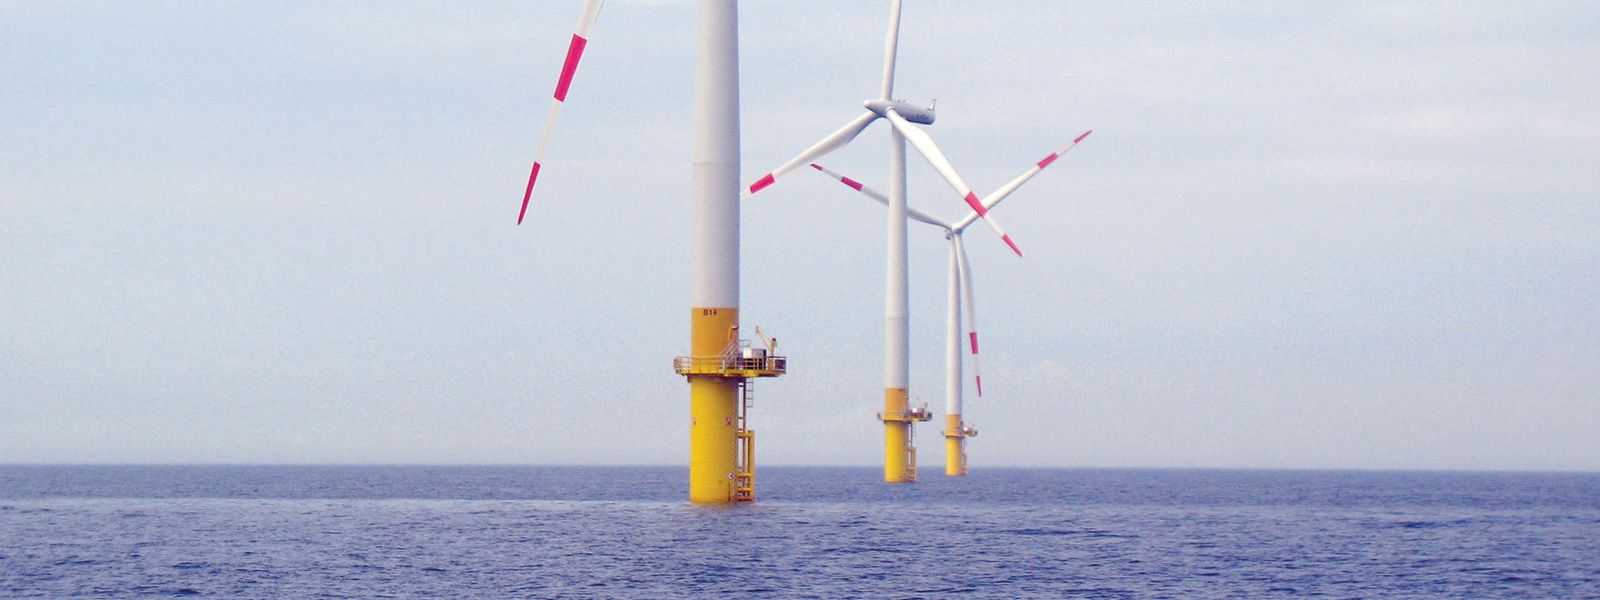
(586,532)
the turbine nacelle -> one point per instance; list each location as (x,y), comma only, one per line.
(907,111)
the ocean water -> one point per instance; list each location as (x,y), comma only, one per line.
(616,532)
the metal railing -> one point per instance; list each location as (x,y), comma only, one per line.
(709,364)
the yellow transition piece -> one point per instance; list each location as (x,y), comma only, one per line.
(712,401)
(899,459)
(955,447)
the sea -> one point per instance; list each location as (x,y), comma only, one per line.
(814,532)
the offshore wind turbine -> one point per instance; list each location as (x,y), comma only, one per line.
(721,446)
(960,291)
(900,458)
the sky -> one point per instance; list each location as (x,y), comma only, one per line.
(1357,235)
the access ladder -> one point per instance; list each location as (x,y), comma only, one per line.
(744,477)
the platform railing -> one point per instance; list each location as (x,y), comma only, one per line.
(707,364)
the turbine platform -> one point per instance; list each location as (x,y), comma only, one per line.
(955,445)
(738,364)
(910,415)
(738,367)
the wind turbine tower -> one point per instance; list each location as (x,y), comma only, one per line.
(900,456)
(719,364)
(899,451)
(721,447)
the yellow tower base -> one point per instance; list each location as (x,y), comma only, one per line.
(955,445)
(721,446)
(899,453)
(712,439)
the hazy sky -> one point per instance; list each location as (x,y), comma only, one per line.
(1360,235)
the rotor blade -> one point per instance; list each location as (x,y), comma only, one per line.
(828,145)
(569,67)
(971,308)
(891,44)
(995,197)
(913,213)
(930,151)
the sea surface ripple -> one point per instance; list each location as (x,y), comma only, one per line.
(626,532)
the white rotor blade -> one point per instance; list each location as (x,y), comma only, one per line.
(580,40)
(828,145)
(995,197)
(891,44)
(913,213)
(930,151)
(971,312)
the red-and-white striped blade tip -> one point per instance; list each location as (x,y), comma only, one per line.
(1085,134)
(568,68)
(762,183)
(526,194)
(1012,244)
(848,182)
(977,205)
